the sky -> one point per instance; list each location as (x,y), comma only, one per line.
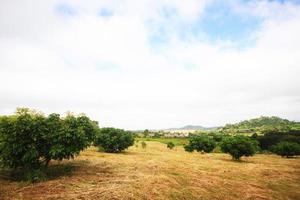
(154,64)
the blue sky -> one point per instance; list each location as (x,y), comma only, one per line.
(152,63)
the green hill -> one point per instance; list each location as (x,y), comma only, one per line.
(260,125)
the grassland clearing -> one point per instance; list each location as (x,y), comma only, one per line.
(160,173)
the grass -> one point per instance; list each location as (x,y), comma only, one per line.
(160,173)
(176,141)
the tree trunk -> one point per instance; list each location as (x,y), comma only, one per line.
(47,162)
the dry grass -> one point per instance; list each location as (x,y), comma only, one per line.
(160,173)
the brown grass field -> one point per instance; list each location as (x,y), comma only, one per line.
(159,173)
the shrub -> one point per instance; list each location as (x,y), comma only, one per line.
(113,140)
(287,149)
(30,140)
(144,145)
(217,150)
(188,148)
(239,146)
(170,145)
(200,143)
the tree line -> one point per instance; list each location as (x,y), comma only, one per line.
(285,144)
(30,140)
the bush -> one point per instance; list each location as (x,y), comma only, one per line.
(30,140)
(33,176)
(188,148)
(144,145)
(113,140)
(200,143)
(239,146)
(170,145)
(287,149)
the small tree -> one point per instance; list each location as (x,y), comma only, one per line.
(114,140)
(170,145)
(146,133)
(30,140)
(200,143)
(239,146)
(286,149)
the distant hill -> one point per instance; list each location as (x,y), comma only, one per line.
(194,127)
(260,124)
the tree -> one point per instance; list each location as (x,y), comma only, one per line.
(114,140)
(170,145)
(30,140)
(146,133)
(286,149)
(271,138)
(239,146)
(200,143)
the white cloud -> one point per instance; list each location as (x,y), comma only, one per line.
(107,68)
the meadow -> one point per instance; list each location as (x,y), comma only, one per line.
(157,172)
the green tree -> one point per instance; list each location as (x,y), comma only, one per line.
(114,140)
(286,149)
(30,140)
(239,146)
(200,143)
(146,133)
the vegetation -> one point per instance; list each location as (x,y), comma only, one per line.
(239,146)
(28,139)
(166,140)
(144,144)
(200,143)
(113,140)
(286,149)
(170,145)
(261,125)
(159,173)
(272,138)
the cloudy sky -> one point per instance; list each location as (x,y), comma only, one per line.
(139,64)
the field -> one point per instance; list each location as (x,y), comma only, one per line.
(159,173)
(176,141)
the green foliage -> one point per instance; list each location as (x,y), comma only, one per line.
(287,149)
(35,175)
(239,146)
(114,140)
(176,141)
(200,143)
(188,148)
(261,125)
(272,138)
(29,139)
(217,137)
(170,145)
(146,133)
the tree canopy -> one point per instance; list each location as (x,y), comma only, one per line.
(114,140)
(239,146)
(30,139)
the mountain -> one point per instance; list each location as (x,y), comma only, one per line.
(194,127)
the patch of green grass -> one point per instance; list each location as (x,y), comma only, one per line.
(176,141)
